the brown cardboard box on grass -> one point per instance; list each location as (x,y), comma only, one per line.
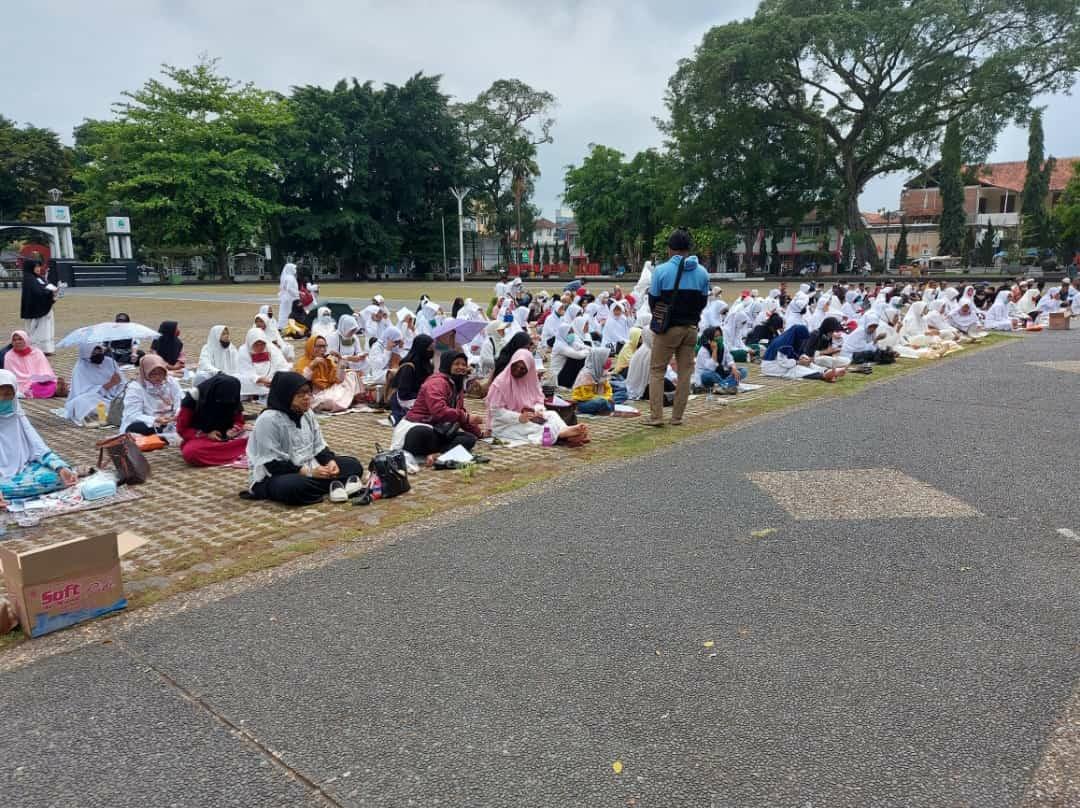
(62,584)
(1059,321)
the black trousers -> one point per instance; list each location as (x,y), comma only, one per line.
(421,441)
(139,428)
(570,371)
(294,489)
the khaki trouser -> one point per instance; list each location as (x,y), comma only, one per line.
(680,341)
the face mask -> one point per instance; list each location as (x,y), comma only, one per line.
(570,338)
(224,343)
(431,323)
(97,359)
(7,407)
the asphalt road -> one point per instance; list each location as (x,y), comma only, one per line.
(514,660)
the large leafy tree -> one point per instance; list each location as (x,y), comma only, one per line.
(367,172)
(32,161)
(740,161)
(619,205)
(502,129)
(1037,227)
(953,219)
(1067,217)
(191,157)
(880,79)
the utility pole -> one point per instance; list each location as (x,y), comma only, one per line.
(460,195)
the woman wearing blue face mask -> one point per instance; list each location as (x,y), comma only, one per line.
(567,356)
(28,468)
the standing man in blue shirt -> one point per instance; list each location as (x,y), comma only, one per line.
(680,337)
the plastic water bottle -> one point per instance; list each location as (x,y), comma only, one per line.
(549,436)
(102,413)
(376,487)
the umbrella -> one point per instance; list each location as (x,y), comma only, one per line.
(106,332)
(463,330)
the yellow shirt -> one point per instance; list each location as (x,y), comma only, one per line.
(587,392)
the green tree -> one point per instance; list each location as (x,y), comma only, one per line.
(900,256)
(880,79)
(846,253)
(968,252)
(774,258)
(501,130)
(564,257)
(1036,222)
(191,157)
(367,172)
(595,191)
(32,161)
(953,218)
(1067,218)
(546,255)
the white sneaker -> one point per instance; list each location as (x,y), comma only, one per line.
(337,492)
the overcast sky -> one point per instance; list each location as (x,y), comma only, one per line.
(607,62)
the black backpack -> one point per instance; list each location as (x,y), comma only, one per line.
(391,470)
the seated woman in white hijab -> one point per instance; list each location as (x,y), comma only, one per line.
(218,355)
(712,316)
(863,345)
(637,375)
(1049,303)
(152,401)
(406,324)
(95,380)
(937,321)
(784,359)
(965,319)
(849,309)
(266,324)
(1028,305)
(616,329)
(496,334)
(998,317)
(347,343)
(581,330)
(735,328)
(323,324)
(515,407)
(796,311)
(258,360)
(567,356)
(551,324)
(28,468)
(520,322)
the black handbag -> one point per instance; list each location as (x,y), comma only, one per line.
(391,470)
(661,312)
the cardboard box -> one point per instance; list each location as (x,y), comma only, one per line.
(1059,321)
(68,582)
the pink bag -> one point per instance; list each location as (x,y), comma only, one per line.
(43,389)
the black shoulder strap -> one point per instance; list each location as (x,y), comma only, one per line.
(678,275)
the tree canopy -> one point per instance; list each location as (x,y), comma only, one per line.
(192,156)
(880,79)
(953,219)
(32,161)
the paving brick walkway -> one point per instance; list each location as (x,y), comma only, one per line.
(194,520)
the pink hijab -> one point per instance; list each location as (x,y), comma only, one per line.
(508,393)
(29,367)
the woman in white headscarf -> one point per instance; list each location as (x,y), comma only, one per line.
(712,316)
(998,317)
(288,291)
(641,288)
(95,380)
(324,325)
(937,322)
(258,360)
(551,323)
(406,323)
(28,468)
(796,311)
(152,401)
(965,319)
(735,329)
(1049,304)
(1028,304)
(428,319)
(218,355)
(848,310)
(520,323)
(496,333)
(567,356)
(347,342)
(616,329)
(266,323)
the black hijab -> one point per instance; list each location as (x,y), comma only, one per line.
(445,362)
(408,379)
(821,338)
(217,404)
(168,346)
(37,301)
(516,343)
(283,387)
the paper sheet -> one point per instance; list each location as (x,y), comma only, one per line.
(458,453)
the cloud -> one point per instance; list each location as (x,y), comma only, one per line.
(608,63)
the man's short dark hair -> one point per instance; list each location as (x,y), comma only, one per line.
(679,241)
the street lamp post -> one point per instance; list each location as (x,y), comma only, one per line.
(445,266)
(460,195)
